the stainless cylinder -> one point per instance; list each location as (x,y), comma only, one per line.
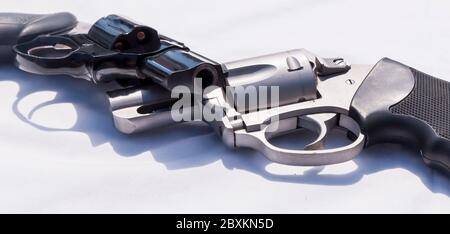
(281,79)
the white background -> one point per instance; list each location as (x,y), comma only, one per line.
(65,156)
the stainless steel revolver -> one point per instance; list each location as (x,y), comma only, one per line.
(140,69)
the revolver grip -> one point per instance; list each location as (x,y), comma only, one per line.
(398,104)
(17,28)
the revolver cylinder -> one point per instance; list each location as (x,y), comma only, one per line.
(120,34)
(288,73)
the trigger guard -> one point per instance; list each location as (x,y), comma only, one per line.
(258,140)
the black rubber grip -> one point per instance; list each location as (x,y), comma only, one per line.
(428,101)
(398,104)
(17,28)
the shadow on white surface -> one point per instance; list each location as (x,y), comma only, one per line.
(185,151)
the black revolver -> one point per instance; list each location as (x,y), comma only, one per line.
(148,77)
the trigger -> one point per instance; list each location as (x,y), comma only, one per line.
(319,123)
